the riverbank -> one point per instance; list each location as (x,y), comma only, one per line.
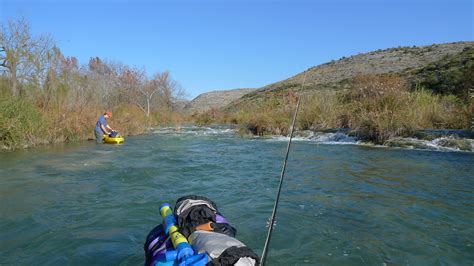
(48,97)
(375,108)
(438,140)
(23,124)
(432,140)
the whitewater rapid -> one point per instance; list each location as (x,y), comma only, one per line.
(326,138)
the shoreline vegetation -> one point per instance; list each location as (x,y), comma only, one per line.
(376,108)
(47,97)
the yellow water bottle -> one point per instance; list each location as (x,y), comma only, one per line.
(180,243)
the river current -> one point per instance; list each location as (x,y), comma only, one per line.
(348,204)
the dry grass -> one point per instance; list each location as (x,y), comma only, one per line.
(321,110)
(377,107)
(25,124)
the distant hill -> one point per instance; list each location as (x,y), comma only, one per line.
(215,99)
(444,68)
(180,104)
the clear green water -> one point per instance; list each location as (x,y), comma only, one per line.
(89,204)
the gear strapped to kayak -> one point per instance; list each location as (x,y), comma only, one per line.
(113,138)
(195,234)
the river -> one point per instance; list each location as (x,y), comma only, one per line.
(341,204)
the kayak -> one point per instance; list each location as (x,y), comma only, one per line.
(195,234)
(114,140)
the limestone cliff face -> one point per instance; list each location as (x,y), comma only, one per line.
(215,99)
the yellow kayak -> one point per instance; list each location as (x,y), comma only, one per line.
(116,140)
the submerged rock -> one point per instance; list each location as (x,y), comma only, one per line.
(443,143)
(461,144)
(410,143)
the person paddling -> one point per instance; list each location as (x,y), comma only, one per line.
(102,127)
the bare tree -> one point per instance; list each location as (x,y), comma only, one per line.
(146,94)
(132,81)
(160,92)
(23,58)
(64,82)
(104,78)
(169,91)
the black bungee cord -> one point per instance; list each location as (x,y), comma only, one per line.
(282,175)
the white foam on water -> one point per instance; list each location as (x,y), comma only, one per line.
(429,145)
(193,130)
(333,138)
(436,144)
(337,138)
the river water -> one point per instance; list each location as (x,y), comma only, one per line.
(348,204)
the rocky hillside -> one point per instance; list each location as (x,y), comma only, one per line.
(215,99)
(426,65)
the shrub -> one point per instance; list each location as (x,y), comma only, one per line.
(382,107)
(21,124)
(376,107)
(320,110)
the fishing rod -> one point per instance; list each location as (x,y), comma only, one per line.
(282,175)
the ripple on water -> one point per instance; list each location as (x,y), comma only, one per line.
(340,204)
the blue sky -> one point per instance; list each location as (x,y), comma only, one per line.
(216,45)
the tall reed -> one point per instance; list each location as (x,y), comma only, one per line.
(376,108)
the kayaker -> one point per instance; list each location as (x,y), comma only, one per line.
(102,127)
